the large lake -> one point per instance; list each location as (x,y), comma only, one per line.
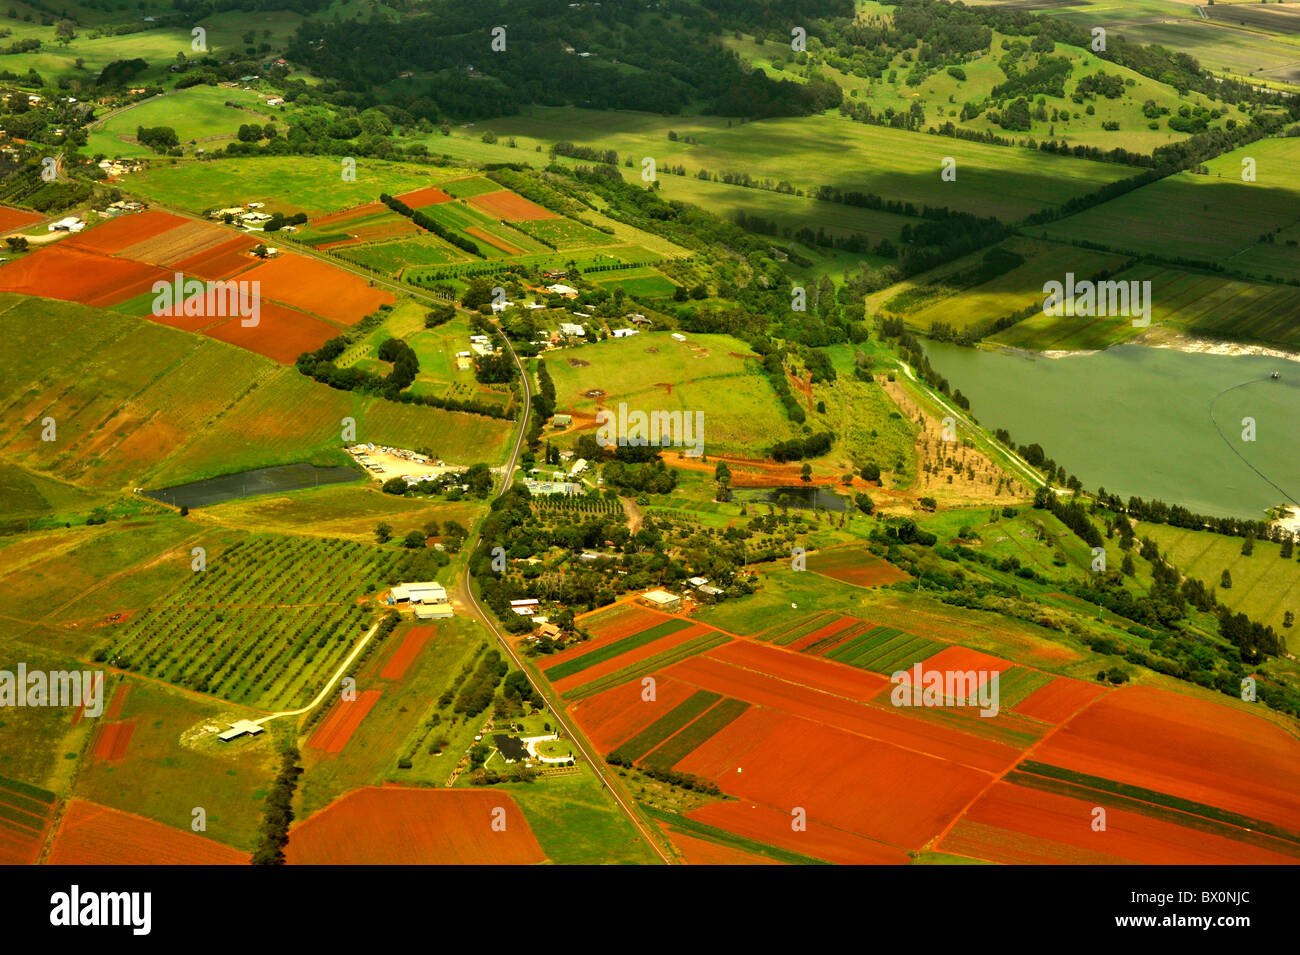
(274,480)
(1137,420)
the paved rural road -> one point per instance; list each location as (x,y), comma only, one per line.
(467,582)
(556,706)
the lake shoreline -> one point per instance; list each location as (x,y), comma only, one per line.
(1174,341)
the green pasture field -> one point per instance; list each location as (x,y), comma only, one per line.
(197,113)
(564,234)
(162,769)
(288,184)
(1199,303)
(340,510)
(395,257)
(825,150)
(868,427)
(1264,586)
(38,744)
(980,306)
(942,95)
(639,283)
(713,374)
(576,823)
(788,211)
(27,495)
(139,404)
(1257,53)
(1215,217)
(473,186)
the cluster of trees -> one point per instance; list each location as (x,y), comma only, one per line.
(477,692)
(158,138)
(674,62)
(273,834)
(319,365)
(796,449)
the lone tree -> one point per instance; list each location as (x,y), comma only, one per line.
(1226,581)
(383,532)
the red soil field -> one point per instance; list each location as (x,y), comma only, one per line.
(494,241)
(124,231)
(80,711)
(505,204)
(337,728)
(91,834)
(613,625)
(18,846)
(702,852)
(318,287)
(219,262)
(614,716)
(390,229)
(856,566)
(763,824)
(961,659)
(1054,702)
(1179,745)
(864,786)
(11,219)
(814,672)
(119,701)
(404,655)
(62,272)
(281,333)
(1014,824)
(347,215)
(112,741)
(428,196)
(835,626)
(414,827)
(887,723)
(631,656)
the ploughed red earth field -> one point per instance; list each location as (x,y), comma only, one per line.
(123,232)
(405,654)
(702,852)
(634,655)
(317,287)
(64,272)
(1185,747)
(112,741)
(401,826)
(1057,701)
(854,565)
(11,219)
(418,199)
(91,834)
(281,334)
(1016,824)
(864,786)
(615,715)
(773,826)
(504,204)
(221,261)
(342,721)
